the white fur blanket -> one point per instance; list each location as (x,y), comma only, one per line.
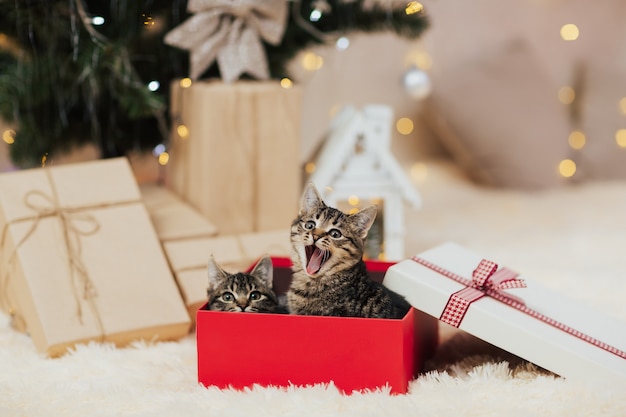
(573,240)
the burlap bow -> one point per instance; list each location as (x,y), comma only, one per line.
(231,31)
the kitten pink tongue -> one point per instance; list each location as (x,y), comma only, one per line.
(315,262)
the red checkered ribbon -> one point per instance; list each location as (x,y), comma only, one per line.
(488,280)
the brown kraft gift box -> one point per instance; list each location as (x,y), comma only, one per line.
(178,225)
(239,165)
(173,219)
(189,258)
(80,259)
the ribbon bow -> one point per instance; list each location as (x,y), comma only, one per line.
(231,31)
(487,279)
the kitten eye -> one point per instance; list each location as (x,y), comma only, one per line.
(228,297)
(255,295)
(309,225)
(334,233)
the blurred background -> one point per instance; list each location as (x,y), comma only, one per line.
(522,93)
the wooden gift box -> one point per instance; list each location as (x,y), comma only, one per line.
(355,354)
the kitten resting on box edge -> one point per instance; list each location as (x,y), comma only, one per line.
(247,292)
(329,275)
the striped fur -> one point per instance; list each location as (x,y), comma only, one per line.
(329,275)
(247,292)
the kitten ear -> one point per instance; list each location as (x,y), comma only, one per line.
(264,270)
(363,220)
(311,199)
(216,273)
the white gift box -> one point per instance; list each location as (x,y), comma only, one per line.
(533,322)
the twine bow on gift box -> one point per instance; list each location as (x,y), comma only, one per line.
(488,280)
(231,32)
(44,205)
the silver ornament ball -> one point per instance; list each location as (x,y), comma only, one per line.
(417,83)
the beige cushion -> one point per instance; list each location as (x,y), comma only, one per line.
(500,118)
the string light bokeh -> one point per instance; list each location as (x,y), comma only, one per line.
(567,95)
(421,59)
(569,32)
(416,63)
(8,136)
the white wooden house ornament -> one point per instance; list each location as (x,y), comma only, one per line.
(356,161)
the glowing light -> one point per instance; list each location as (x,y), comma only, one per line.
(319,8)
(148,20)
(182,131)
(418,59)
(622,105)
(97,20)
(404,126)
(413,7)
(44,158)
(315,15)
(342,43)
(286,83)
(8,136)
(620,138)
(153,85)
(567,168)
(334,109)
(567,95)
(309,167)
(577,139)
(312,62)
(353,200)
(164,158)
(185,82)
(569,32)
(159,149)
(418,172)
(353,210)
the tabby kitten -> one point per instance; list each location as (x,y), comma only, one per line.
(329,275)
(248,292)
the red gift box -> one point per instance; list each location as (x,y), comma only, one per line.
(237,350)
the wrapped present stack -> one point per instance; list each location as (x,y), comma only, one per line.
(89,255)
(188,239)
(235,148)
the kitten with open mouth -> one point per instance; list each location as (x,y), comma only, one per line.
(329,275)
